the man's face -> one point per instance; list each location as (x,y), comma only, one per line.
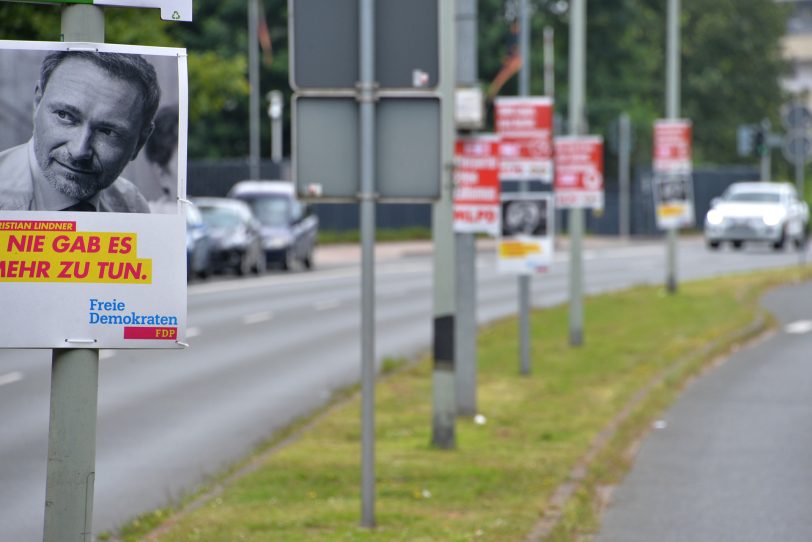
(87,127)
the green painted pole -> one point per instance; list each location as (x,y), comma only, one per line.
(71,469)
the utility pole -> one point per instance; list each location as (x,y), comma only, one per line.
(443,379)
(366,104)
(577,80)
(253,80)
(672,112)
(624,161)
(466,331)
(71,470)
(524,280)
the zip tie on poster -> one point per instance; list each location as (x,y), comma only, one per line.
(185,345)
(82,341)
(184,200)
(87,48)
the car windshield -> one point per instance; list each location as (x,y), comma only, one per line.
(220,217)
(754,197)
(271,211)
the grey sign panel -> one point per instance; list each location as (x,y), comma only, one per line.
(408,148)
(325,48)
(407,153)
(324,43)
(407,43)
(326,157)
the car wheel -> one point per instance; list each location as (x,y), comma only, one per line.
(287,261)
(779,244)
(261,264)
(737,244)
(307,261)
(713,245)
(244,266)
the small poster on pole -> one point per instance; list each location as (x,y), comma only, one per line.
(579,172)
(171,10)
(673,183)
(476,184)
(92,231)
(525,245)
(526,127)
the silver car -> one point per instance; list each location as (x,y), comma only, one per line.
(757,211)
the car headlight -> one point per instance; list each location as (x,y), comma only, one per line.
(715,218)
(772,219)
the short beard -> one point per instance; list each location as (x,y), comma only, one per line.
(69,185)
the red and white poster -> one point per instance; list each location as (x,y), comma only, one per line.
(673,183)
(579,172)
(476,185)
(672,146)
(526,127)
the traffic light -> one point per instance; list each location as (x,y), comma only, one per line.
(760,142)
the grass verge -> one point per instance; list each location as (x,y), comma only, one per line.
(499,481)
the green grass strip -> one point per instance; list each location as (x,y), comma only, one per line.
(498,483)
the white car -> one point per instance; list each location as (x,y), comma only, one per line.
(757,211)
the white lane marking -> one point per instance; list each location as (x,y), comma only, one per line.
(257,317)
(327,305)
(105,354)
(11,378)
(800,327)
(192,332)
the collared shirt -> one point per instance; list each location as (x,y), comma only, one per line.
(46,196)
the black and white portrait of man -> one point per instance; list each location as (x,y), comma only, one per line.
(92,113)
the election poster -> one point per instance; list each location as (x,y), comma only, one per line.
(579,172)
(525,124)
(672,184)
(92,243)
(476,184)
(525,244)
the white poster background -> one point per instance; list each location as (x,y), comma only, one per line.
(49,314)
(525,253)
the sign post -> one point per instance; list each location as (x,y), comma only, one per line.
(366,77)
(525,124)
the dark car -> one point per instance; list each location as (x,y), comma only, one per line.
(289,228)
(198,244)
(236,242)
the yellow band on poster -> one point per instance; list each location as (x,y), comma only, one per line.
(66,256)
(518,249)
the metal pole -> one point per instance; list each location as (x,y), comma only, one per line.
(444,415)
(524,280)
(766,166)
(466,332)
(253,80)
(549,61)
(366,97)
(71,469)
(673,111)
(576,118)
(624,161)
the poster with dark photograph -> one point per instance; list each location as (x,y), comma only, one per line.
(92,173)
(526,242)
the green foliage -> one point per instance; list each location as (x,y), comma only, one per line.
(731,64)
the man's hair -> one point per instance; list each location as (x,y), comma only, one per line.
(164,139)
(131,68)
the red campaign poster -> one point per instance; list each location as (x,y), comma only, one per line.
(476,182)
(672,146)
(579,172)
(526,127)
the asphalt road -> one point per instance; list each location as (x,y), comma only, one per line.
(733,460)
(265,351)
